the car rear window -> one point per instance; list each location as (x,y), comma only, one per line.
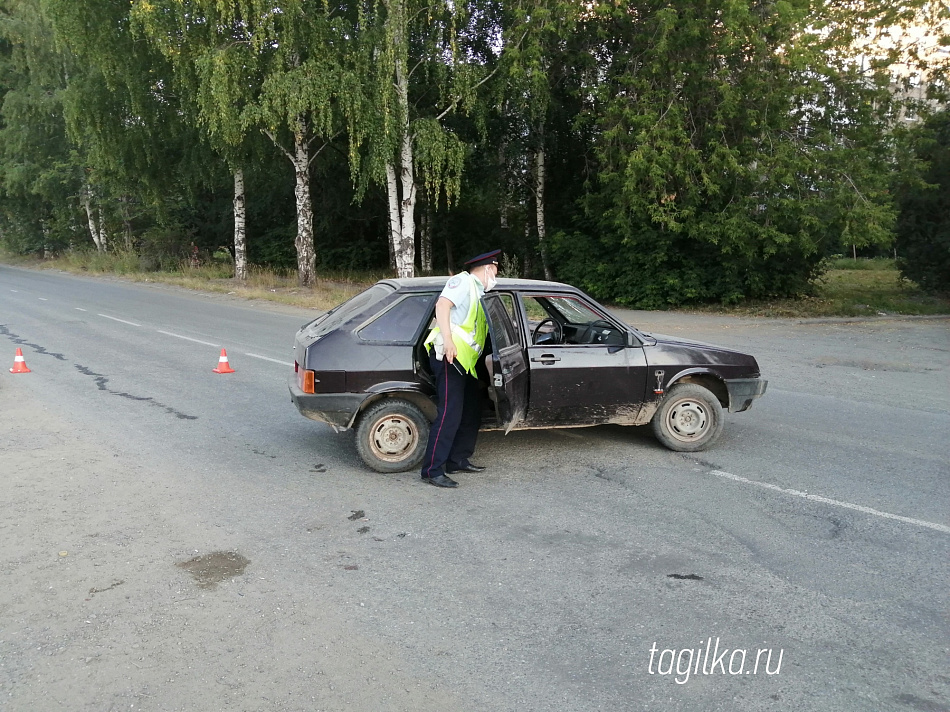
(400,322)
(348,309)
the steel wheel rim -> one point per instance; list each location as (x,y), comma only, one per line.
(688,420)
(393,437)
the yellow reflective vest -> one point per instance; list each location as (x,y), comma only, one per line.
(469,336)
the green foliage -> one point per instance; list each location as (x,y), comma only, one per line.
(728,169)
(440,158)
(440,52)
(923,228)
(39,174)
(701,151)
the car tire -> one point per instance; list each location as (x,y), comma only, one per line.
(391,435)
(689,418)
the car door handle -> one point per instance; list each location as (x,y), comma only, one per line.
(546,359)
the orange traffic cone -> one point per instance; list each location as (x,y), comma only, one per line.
(19,364)
(223,365)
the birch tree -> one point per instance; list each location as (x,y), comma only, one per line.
(272,67)
(140,150)
(418,75)
(536,65)
(191,36)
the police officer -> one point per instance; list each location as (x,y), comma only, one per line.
(458,312)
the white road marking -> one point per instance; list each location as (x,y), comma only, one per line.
(265,358)
(123,321)
(43,299)
(187,338)
(14,291)
(78,309)
(833,502)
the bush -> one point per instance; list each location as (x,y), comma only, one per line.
(163,248)
(649,268)
(923,224)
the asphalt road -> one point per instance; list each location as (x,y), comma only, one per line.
(816,531)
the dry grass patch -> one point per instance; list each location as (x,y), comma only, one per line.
(263,284)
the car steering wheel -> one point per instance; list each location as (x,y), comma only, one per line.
(558,331)
(588,337)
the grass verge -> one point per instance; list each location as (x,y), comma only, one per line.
(848,289)
(865,291)
(265,284)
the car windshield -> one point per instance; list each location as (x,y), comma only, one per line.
(573,311)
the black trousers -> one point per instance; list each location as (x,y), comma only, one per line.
(455,430)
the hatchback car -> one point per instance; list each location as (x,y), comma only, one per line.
(554,358)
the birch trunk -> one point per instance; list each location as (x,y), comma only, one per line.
(539,206)
(240,228)
(96,227)
(104,238)
(406,249)
(395,219)
(402,196)
(306,253)
(91,217)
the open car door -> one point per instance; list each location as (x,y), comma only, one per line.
(507,364)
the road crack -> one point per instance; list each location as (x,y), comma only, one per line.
(15,338)
(102,384)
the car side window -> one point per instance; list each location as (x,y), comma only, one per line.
(499,312)
(400,322)
(509,301)
(568,321)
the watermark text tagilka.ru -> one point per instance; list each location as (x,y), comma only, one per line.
(710,659)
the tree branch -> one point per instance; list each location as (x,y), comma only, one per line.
(415,68)
(492,73)
(278,144)
(319,150)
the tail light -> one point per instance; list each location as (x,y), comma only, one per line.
(306,379)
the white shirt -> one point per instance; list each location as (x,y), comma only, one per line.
(458,290)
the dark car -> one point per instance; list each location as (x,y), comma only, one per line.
(555,358)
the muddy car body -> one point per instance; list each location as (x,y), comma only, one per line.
(554,358)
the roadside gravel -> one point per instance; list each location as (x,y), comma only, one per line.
(95,615)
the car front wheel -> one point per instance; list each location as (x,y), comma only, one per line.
(689,418)
(392,435)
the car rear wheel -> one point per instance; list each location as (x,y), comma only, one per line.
(689,418)
(392,435)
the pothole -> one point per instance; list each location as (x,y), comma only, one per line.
(211,569)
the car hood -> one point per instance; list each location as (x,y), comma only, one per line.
(676,351)
(667,340)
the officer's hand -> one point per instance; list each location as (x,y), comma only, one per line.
(451,351)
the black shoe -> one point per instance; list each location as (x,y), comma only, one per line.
(441,481)
(467,467)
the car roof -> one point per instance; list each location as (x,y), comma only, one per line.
(429,283)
